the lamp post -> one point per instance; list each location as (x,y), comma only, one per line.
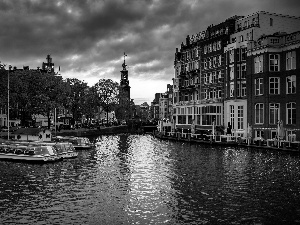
(9,67)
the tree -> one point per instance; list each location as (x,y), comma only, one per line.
(75,96)
(89,105)
(35,93)
(107,95)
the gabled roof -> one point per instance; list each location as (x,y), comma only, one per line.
(29,131)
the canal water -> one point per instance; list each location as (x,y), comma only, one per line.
(137,179)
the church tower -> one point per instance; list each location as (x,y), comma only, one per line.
(123,111)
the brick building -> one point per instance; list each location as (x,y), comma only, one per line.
(211,82)
(273,87)
(247,29)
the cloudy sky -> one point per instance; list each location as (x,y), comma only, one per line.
(87,38)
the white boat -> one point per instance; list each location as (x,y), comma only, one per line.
(28,153)
(65,150)
(80,143)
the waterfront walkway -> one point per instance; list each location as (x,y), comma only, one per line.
(225,140)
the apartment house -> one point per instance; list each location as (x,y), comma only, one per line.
(272,85)
(154,108)
(247,29)
(199,77)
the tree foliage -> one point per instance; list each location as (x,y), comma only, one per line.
(107,92)
(75,96)
(33,92)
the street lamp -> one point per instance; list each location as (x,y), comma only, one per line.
(9,67)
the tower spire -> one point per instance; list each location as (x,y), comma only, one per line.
(124,64)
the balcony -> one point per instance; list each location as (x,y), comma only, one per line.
(191,87)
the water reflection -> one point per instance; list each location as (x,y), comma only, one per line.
(131,179)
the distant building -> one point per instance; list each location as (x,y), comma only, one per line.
(154,108)
(48,66)
(123,111)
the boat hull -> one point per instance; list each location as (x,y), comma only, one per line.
(29,158)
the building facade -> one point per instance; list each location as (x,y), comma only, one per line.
(272,69)
(247,29)
(213,68)
(199,77)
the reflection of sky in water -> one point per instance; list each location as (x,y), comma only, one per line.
(131,179)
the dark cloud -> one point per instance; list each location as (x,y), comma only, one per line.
(87,38)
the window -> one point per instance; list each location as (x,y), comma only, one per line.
(205,49)
(274,40)
(209,78)
(274,62)
(274,113)
(219,60)
(241,38)
(240,117)
(232,116)
(205,63)
(231,56)
(238,89)
(243,75)
(210,48)
(209,60)
(219,92)
(291,84)
(214,77)
(214,93)
(238,55)
(244,88)
(259,133)
(214,61)
(231,89)
(238,71)
(243,54)
(291,60)
(271,22)
(214,46)
(258,64)
(274,85)
(291,113)
(259,113)
(231,72)
(259,86)
(218,45)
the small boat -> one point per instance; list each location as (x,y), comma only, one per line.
(65,150)
(28,153)
(80,143)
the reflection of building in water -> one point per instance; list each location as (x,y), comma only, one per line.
(123,146)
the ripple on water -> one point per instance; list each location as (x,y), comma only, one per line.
(131,179)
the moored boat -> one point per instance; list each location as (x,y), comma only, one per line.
(65,150)
(81,143)
(28,153)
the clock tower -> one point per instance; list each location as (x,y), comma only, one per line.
(123,111)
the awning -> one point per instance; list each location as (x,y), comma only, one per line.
(183,126)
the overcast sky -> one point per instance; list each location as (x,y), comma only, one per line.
(87,38)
